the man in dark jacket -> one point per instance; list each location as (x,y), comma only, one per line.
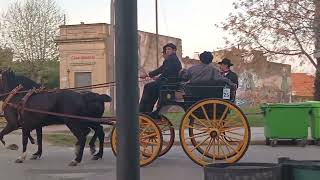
(225,65)
(169,69)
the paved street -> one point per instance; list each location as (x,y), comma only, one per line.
(174,165)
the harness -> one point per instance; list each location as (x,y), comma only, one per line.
(21,105)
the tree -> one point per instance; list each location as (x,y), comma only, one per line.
(278,28)
(29,29)
(6,57)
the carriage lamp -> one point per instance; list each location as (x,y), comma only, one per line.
(168,96)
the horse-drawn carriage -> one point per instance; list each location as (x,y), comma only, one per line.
(212,129)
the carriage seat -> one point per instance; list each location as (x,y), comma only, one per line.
(202,90)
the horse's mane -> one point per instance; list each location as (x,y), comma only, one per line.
(26,82)
(15,80)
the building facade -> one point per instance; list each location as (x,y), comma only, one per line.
(86,54)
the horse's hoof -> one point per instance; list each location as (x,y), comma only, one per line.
(13,147)
(32,142)
(18,161)
(92,150)
(73,163)
(96,158)
(34,157)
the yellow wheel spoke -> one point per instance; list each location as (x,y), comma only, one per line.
(213,150)
(149,135)
(226,143)
(230,129)
(196,118)
(231,137)
(225,155)
(145,128)
(236,133)
(205,113)
(234,123)
(207,148)
(198,145)
(148,142)
(202,134)
(192,127)
(223,115)
(214,112)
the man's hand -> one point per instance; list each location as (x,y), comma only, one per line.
(144,76)
(182,71)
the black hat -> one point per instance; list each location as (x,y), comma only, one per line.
(169,45)
(206,57)
(226,62)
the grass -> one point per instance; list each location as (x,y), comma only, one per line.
(66,140)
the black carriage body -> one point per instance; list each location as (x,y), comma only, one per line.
(185,95)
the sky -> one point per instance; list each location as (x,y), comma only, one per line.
(193,21)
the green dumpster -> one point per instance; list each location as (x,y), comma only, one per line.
(286,122)
(315,121)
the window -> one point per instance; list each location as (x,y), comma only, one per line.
(82,79)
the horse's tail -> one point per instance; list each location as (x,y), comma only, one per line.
(105,98)
(93,97)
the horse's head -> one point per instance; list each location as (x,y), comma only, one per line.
(10,80)
(7,81)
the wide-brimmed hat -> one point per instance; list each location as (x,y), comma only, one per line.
(169,45)
(226,62)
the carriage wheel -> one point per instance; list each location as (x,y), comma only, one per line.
(213,131)
(150,140)
(168,134)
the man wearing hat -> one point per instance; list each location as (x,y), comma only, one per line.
(169,69)
(225,65)
(204,72)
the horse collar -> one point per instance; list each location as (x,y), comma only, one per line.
(10,96)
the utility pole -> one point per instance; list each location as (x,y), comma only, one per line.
(126,51)
(111,62)
(157,33)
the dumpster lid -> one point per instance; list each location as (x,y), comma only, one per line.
(299,104)
(314,103)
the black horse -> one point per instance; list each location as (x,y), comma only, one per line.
(95,109)
(62,101)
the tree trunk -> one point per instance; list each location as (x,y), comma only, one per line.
(317,82)
(317,49)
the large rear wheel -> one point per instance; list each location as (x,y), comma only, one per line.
(214,130)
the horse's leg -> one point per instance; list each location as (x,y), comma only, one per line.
(6,130)
(31,138)
(81,134)
(24,146)
(92,142)
(39,142)
(101,135)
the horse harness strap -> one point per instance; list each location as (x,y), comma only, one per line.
(24,100)
(11,95)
